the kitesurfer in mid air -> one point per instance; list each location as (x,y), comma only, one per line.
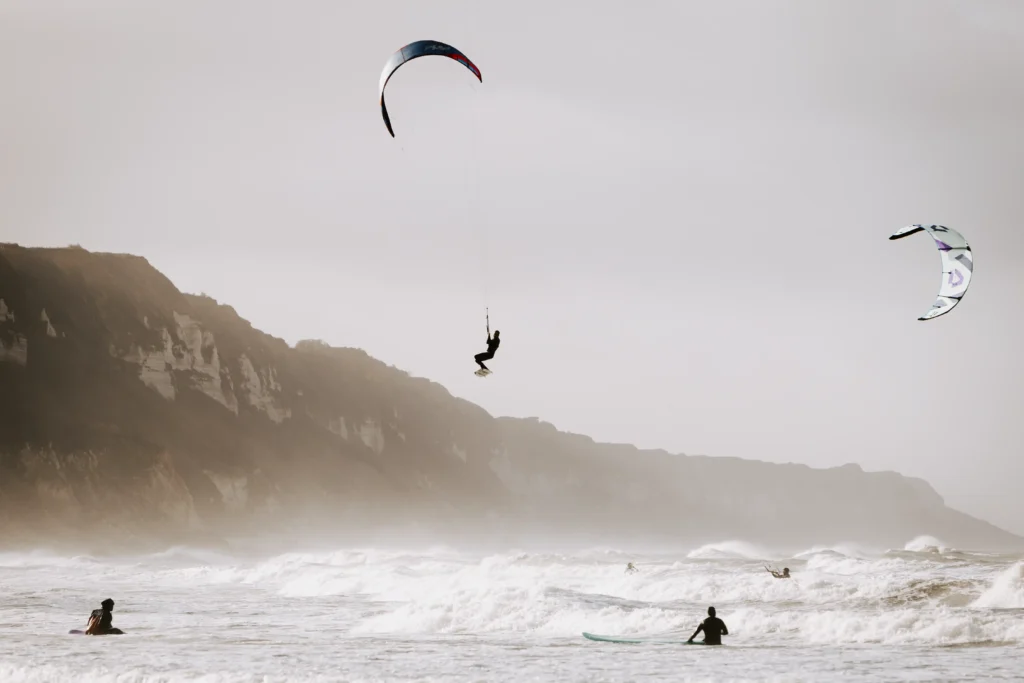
(713,627)
(492,347)
(101,620)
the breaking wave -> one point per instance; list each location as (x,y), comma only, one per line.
(839,594)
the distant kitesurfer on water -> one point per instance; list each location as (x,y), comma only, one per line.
(492,347)
(101,620)
(713,627)
(784,574)
(630,568)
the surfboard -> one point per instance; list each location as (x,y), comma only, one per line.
(639,641)
(113,632)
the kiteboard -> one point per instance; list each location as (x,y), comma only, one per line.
(482,373)
(638,641)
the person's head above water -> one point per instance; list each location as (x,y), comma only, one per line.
(107,604)
(785,570)
(711,611)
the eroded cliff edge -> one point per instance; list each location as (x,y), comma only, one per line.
(132,411)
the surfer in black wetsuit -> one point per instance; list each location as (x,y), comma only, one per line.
(713,627)
(492,346)
(101,620)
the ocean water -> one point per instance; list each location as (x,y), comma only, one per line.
(919,613)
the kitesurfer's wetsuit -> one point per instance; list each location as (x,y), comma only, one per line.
(713,627)
(101,620)
(492,348)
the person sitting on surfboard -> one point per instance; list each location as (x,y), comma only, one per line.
(492,347)
(101,620)
(784,574)
(713,627)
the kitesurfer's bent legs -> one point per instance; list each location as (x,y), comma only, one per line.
(481,357)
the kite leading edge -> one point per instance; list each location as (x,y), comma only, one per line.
(420,48)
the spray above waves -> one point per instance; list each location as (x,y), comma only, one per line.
(729,550)
(1006,592)
(926,544)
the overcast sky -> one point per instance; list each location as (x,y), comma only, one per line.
(677,212)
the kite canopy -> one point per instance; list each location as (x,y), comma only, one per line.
(421,48)
(957,265)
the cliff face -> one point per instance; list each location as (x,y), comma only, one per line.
(132,410)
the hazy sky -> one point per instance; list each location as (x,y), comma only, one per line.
(678,214)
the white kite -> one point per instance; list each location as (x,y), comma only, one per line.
(957,265)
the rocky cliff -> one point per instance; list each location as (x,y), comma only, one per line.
(130,411)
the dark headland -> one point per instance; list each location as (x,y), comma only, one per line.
(133,415)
